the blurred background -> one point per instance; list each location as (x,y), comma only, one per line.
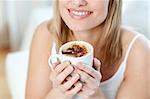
(18,20)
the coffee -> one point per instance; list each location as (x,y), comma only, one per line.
(75,51)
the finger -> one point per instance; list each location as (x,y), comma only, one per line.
(87,69)
(68,78)
(59,68)
(84,77)
(90,81)
(54,65)
(63,75)
(68,85)
(97,64)
(74,90)
(53,74)
(77,83)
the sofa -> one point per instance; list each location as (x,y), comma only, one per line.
(17,62)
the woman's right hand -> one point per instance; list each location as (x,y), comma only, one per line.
(64,85)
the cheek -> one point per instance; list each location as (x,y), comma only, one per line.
(101,12)
(62,9)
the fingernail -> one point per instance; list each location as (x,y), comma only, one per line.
(67,62)
(72,74)
(80,84)
(76,75)
(78,65)
(70,67)
(99,62)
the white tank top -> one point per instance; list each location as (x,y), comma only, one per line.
(110,86)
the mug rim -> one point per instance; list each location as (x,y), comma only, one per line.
(82,42)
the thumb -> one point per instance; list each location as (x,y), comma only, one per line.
(97,64)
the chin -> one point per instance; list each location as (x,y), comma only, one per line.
(78,28)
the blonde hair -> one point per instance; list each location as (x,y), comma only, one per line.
(111,48)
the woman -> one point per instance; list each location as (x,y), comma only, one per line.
(120,68)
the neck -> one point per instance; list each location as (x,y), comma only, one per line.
(90,36)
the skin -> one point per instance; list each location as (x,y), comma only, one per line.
(99,9)
(43,83)
(84,29)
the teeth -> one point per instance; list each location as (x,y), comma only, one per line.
(80,13)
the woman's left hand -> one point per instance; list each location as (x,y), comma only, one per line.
(91,80)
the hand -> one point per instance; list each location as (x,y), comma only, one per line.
(91,79)
(63,87)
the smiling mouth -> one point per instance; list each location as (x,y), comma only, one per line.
(79,14)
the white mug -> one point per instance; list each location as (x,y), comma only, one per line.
(87,59)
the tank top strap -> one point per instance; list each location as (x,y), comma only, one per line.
(130,46)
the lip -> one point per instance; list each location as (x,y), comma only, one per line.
(79,14)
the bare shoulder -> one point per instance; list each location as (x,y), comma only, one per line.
(137,62)
(42,32)
(41,42)
(38,63)
(42,38)
(128,35)
(135,83)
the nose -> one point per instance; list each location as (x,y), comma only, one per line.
(79,3)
